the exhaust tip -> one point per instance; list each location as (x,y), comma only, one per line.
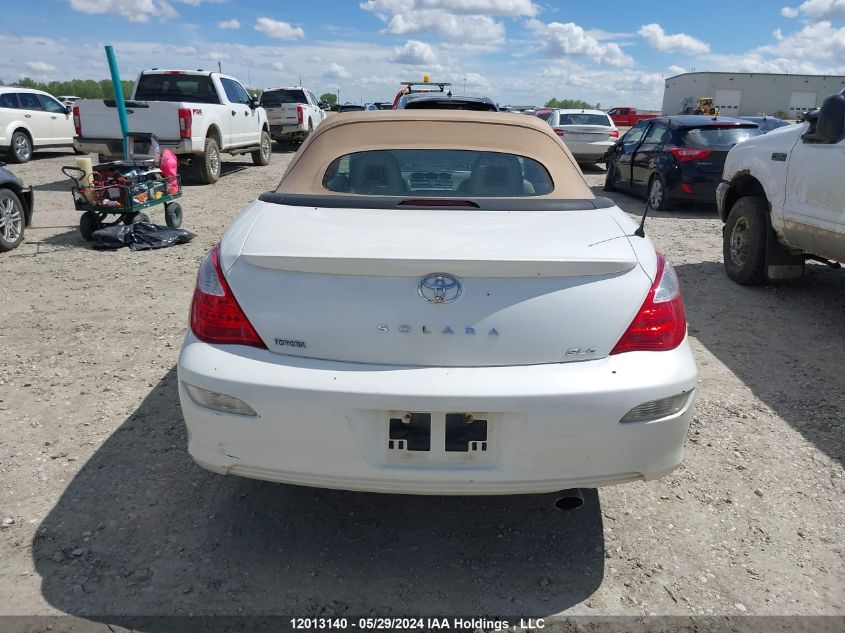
(569,500)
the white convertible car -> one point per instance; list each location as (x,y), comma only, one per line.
(436,303)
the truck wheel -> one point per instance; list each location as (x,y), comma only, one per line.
(744,240)
(261,156)
(207,165)
(11,220)
(20,150)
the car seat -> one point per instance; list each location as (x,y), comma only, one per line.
(494,175)
(376,173)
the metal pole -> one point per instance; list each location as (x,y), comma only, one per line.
(118,99)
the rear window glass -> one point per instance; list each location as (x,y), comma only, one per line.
(275,98)
(193,88)
(713,136)
(449,104)
(8,100)
(437,172)
(584,119)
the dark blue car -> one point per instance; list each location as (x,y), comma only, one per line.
(674,158)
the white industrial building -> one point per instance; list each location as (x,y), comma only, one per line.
(748,94)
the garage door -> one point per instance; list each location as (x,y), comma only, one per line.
(728,102)
(800,102)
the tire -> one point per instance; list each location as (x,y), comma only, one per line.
(12,220)
(88,223)
(261,157)
(20,149)
(207,165)
(744,240)
(609,177)
(173,215)
(656,194)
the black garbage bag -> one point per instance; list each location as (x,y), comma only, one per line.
(142,236)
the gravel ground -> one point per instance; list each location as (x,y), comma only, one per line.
(104,513)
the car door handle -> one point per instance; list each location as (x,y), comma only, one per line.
(233,113)
(53,117)
(27,116)
(246,113)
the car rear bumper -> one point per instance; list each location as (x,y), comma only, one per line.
(588,152)
(114,146)
(326,424)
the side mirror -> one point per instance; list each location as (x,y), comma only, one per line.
(254,102)
(68,109)
(829,123)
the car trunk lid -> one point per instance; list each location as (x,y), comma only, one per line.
(360,285)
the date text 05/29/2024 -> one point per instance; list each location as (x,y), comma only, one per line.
(407,624)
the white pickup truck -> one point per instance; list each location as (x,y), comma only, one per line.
(782,199)
(293,113)
(195,114)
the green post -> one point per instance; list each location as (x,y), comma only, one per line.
(118,99)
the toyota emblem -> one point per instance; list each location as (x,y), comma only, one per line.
(440,288)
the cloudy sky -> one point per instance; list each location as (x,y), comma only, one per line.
(515,51)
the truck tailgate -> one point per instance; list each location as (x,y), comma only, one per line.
(99,118)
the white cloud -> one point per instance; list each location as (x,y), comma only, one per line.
(132,10)
(415,53)
(659,40)
(820,9)
(778,35)
(789,12)
(229,24)
(337,71)
(559,39)
(511,8)
(817,42)
(42,67)
(280,66)
(677,70)
(449,20)
(278,30)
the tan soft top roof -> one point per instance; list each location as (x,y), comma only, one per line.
(347,133)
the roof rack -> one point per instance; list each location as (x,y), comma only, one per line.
(427,84)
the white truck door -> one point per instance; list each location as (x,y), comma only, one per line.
(37,118)
(61,123)
(814,214)
(240,114)
(252,121)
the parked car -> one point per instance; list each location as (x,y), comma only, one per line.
(195,114)
(445,101)
(765,123)
(293,113)
(627,116)
(543,113)
(587,133)
(350,107)
(16,208)
(782,199)
(31,120)
(674,159)
(371,107)
(550,354)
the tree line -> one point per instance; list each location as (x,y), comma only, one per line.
(574,104)
(84,88)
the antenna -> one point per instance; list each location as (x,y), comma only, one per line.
(219,67)
(640,232)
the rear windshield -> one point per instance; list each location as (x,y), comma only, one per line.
(275,98)
(173,87)
(713,136)
(437,172)
(449,104)
(584,119)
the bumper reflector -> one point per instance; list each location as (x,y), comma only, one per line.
(657,409)
(219,401)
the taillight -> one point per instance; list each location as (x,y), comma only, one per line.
(614,133)
(661,322)
(683,154)
(186,121)
(300,115)
(216,316)
(558,131)
(77,122)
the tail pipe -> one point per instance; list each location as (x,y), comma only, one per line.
(571,499)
